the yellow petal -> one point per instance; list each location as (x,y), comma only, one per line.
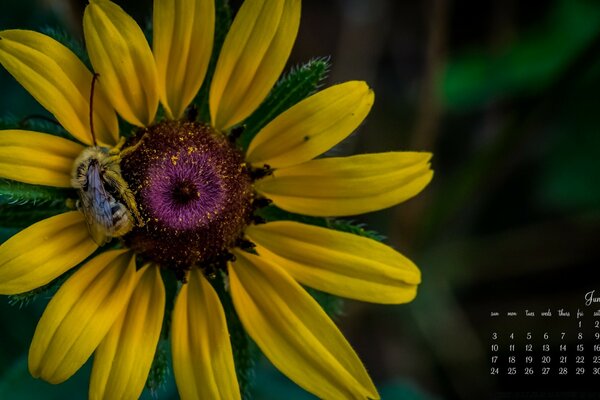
(121,55)
(253,55)
(60,82)
(312,126)
(294,332)
(337,262)
(80,314)
(202,355)
(43,252)
(348,185)
(183,40)
(37,158)
(123,359)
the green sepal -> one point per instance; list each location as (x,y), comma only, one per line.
(44,123)
(24,216)
(22,205)
(245,351)
(274,213)
(295,86)
(128,130)
(355,228)
(160,371)
(222,24)
(332,305)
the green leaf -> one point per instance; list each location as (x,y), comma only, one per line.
(22,205)
(35,122)
(17,193)
(527,65)
(298,84)
(222,24)
(568,180)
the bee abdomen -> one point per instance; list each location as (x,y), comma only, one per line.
(121,219)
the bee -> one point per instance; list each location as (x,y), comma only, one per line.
(105,199)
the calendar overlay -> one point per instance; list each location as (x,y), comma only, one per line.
(547,349)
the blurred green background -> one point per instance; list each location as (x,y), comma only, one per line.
(505,94)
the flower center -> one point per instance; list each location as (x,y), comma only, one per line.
(185,192)
(193,192)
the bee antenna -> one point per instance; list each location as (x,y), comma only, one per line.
(94,79)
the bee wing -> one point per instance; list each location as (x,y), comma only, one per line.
(115,181)
(96,206)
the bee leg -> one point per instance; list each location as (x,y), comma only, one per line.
(114,154)
(117,149)
(128,150)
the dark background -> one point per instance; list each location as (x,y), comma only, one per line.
(505,94)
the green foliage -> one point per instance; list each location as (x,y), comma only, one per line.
(568,182)
(526,66)
(222,24)
(159,372)
(24,299)
(298,84)
(333,305)
(22,194)
(22,204)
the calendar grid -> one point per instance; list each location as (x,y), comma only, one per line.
(550,349)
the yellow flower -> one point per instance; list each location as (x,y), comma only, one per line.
(113,309)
